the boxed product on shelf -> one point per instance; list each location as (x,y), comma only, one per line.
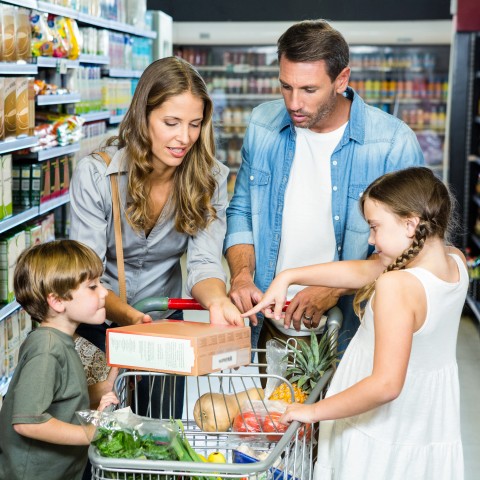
(9,47)
(11,245)
(48,227)
(175,346)
(13,341)
(25,106)
(10,107)
(2,109)
(6,181)
(33,235)
(23,34)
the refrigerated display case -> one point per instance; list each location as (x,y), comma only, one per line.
(410,82)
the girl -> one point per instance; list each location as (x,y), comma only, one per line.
(392,409)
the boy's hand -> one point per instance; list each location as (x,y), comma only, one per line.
(108,399)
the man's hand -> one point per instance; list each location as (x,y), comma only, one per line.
(309,305)
(245,295)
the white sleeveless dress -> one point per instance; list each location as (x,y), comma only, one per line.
(417,435)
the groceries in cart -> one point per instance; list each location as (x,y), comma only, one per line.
(123,434)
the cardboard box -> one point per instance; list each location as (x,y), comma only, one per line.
(178,347)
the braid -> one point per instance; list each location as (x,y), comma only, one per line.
(364,293)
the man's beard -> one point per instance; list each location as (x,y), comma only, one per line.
(322,113)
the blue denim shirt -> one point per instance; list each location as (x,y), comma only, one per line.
(373,143)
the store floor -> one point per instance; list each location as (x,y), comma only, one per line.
(468,355)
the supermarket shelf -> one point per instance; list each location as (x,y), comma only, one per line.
(52,62)
(95,116)
(123,73)
(18,219)
(17,144)
(113,25)
(15,68)
(54,152)
(246,96)
(474,306)
(22,217)
(95,59)
(88,19)
(53,203)
(8,309)
(58,99)
(56,9)
(116,118)
(22,3)
(240,68)
(389,69)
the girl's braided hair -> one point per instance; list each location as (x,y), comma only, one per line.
(412,192)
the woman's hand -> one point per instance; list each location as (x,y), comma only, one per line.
(108,399)
(225,312)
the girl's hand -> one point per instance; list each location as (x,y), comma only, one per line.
(299,412)
(108,399)
(273,301)
(225,312)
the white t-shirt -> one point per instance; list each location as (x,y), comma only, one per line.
(308,237)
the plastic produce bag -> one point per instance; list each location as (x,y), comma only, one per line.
(122,434)
(277,363)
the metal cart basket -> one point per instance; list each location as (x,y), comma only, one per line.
(290,458)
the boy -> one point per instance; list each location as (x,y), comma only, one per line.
(58,285)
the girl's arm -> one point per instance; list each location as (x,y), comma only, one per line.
(349,275)
(399,307)
(212,295)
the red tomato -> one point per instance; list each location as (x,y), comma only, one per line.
(246,422)
(271,424)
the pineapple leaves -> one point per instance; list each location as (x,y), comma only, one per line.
(308,363)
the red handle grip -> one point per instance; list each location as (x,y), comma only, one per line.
(190,304)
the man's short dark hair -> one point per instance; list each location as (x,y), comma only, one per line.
(314,40)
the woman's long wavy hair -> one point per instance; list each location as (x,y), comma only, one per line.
(194,182)
(412,192)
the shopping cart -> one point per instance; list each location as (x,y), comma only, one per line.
(290,458)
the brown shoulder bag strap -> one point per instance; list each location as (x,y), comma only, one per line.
(122,285)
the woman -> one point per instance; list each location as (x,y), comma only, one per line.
(173,198)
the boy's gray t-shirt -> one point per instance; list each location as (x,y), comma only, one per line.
(49,381)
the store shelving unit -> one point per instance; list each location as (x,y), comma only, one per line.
(464,149)
(63,66)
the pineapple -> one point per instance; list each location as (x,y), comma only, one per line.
(309,363)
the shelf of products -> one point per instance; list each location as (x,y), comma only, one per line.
(55,87)
(464,150)
(410,82)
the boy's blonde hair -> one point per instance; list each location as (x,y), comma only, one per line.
(58,268)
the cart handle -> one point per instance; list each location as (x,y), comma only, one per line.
(161,304)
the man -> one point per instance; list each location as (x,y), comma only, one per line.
(306,160)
